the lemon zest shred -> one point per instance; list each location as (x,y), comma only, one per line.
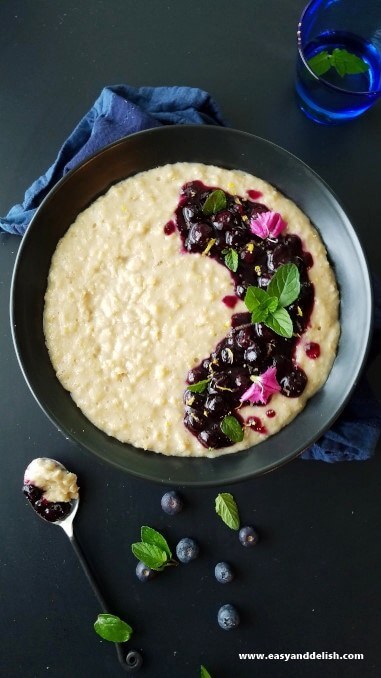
(209,246)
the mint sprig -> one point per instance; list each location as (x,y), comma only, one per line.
(344,62)
(215,202)
(226,507)
(232,428)
(268,306)
(153,549)
(204,673)
(112,628)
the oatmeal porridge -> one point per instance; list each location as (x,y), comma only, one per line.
(154,322)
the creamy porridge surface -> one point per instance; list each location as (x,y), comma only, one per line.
(57,484)
(127,314)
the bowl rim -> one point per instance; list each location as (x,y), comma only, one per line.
(239,476)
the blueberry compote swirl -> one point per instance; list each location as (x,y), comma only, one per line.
(247,349)
(51,511)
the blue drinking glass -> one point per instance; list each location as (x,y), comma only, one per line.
(351,25)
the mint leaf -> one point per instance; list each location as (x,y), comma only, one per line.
(255,297)
(199,387)
(347,63)
(227,509)
(152,556)
(280,322)
(150,536)
(320,63)
(260,303)
(204,673)
(231,260)
(110,627)
(214,203)
(344,62)
(262,311)
(285,284)
(232,428)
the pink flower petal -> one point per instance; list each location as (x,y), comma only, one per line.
(261,390)
(267,224)
(269,382)
(253,393)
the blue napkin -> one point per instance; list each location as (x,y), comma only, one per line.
(121,110)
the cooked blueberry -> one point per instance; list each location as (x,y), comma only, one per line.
(197,374)
(236,237)
(199,236)
(223,573)
(194,421)
(171,502)
(219,383)
(194,400)
(240,378)
(293,383)
(258,208)
(228,617)
(252,353)
(238,319)
(263,332)
(216,404)
(187,550)
(134,660)
(241,289)
(32,493)
(244,337)
(206,364)
(247,254)
(189,216)
(227,356)
(221,220)
(213,437)
(248,536)
(143,572)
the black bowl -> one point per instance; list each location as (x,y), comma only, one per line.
(211,145)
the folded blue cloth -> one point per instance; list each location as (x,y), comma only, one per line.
(121,110)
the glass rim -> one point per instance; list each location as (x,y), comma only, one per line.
(319,78)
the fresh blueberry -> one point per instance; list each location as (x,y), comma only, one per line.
(223,573)
(228,617)
(143,572)
(134,660)
(171,503)
(187,550)
(248,536)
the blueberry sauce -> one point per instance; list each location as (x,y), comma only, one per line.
(312,350)
(51,511)
(169,227)
(253,194)
(247,349)
(230,300)
(255,423)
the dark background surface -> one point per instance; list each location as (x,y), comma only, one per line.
(313,584)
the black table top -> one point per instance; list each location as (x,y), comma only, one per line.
(313,584)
